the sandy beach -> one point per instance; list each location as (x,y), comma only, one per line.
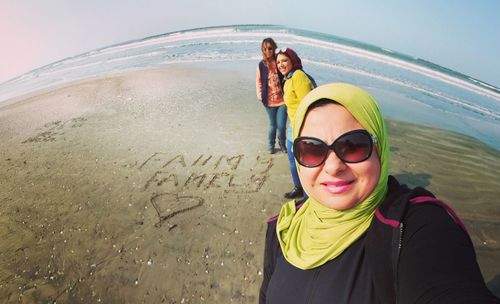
(154,186)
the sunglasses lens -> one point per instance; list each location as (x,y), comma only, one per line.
(310,152)
(353,147)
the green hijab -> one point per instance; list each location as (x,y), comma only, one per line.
(315,234)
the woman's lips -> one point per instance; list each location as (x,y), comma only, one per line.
(337,187)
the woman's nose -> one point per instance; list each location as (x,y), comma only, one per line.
(333,164)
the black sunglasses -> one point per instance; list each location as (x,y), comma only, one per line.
(351,147)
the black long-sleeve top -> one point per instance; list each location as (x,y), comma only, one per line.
(428,258)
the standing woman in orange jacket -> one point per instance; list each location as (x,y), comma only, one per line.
(270,93)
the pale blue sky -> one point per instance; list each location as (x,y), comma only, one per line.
(458,34)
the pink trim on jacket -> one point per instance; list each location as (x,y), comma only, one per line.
(392,223)
(451,212)
(422,200)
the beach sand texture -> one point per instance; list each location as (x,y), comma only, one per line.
(154,187)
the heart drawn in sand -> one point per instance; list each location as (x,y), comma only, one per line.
(168,205)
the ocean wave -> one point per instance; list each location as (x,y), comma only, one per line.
(483,89)
(366,54)
(455,101)
(172,46)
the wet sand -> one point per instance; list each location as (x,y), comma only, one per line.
(153,187)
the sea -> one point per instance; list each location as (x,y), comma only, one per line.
(408,89)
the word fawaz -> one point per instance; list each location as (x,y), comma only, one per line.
(233,173)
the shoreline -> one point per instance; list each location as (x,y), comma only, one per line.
(154,185)
(396,105)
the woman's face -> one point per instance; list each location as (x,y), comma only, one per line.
(284,64)
(268,50)
(336,184)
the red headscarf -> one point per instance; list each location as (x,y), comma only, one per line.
(294,58)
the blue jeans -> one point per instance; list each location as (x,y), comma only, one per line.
(291,159)
(277,121)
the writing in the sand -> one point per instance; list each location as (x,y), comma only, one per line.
(174,175)
(230,173)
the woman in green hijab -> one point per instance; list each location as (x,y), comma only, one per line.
(361,237)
